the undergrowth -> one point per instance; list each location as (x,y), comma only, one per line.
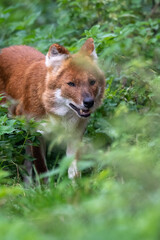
(118,196)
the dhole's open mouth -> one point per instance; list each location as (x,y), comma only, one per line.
(81,112)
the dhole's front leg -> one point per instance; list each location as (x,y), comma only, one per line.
(73,148)
(73,169)
(37,152)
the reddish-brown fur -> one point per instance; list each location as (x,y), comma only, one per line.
(25,77)
(22,75)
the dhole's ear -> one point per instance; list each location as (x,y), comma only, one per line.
(56,55)
(88,48)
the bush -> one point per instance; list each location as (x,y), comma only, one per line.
(118,195)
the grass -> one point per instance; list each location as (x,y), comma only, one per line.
(118,196)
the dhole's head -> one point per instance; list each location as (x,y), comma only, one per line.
(74,83)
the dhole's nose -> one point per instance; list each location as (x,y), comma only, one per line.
(88,102)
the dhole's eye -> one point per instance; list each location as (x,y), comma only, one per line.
(71,84)
(92,82)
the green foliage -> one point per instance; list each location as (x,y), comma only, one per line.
(118,195)
(15,135)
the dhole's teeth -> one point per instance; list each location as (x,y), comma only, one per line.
(84,111)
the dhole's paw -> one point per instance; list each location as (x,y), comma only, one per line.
(73,171)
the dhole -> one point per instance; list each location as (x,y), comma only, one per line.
(67,87)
